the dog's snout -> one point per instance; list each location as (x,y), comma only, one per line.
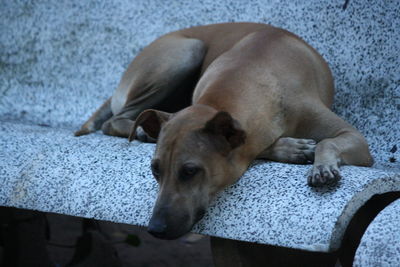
(157,227)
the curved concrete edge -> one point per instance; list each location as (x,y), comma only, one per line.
(380,244)
(315,225)
(107,178)
(391,183)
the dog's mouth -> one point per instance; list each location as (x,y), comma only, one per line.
(165,236)
(175,227)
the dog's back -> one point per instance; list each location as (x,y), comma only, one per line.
(270,72)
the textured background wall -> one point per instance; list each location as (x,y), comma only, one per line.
(59,60)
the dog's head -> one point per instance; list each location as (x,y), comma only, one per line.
(194,159)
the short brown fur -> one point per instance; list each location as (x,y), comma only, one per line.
(258,92)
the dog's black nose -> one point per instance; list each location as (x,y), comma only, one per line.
(157,228)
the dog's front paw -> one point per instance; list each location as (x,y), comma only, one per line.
(293,150)
(303,150)
(324,174)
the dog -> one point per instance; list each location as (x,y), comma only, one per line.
(219,96)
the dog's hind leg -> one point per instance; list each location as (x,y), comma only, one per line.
(95,122)
(339,143)
(158,72)
(290,150)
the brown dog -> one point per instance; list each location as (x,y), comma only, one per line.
(256,92)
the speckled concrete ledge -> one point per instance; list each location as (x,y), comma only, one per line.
(380,245)
(59,60)
(108,178)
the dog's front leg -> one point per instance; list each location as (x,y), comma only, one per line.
(339,143)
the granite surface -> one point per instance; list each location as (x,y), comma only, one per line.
(380,245)
(59,60)
(107,178)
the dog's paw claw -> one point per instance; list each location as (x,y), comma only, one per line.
(323,175)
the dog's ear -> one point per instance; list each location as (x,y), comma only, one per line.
(222,124)
(151,121)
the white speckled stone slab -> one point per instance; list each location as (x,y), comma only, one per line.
(380,245)
(59,60)
(108,178)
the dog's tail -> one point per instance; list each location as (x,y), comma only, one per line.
(95,122)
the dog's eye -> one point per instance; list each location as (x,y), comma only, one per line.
(188,171)
(155,169)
